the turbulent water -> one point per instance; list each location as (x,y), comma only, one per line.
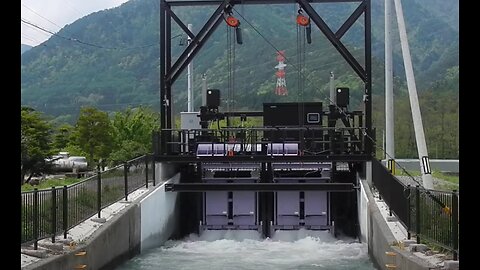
(247,250)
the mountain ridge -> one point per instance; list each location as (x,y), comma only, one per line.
(61,76)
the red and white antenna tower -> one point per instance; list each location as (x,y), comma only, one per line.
(281,88)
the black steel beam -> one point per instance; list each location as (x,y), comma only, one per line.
(196,44)
(333,39)
(251,2)
(168,63)
(350,21)
(300,178)
(225,179)
(180,23)
(195,50)
(241,158)
(251,114)
(201,187)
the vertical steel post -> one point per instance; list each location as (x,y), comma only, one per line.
(153,168)
(409,212)
(65,211)
(146,171)
(455,224)
(417,213)
(168,63)
(389,112)
(99,191)
(125,178)
(23,222)
(54,213)
(35,218)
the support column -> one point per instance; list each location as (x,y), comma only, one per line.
(368,83)
(389,111)
(412,93)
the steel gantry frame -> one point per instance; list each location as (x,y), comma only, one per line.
(169,72)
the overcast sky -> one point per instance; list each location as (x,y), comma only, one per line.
(55,14)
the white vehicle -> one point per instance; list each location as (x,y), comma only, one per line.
(64,162)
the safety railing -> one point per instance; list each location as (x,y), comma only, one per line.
(50,212)
(311,140)
(431,215)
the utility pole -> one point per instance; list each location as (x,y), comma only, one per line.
(332,89)
(204,89)
(412,93)
(190,76)
(389,111)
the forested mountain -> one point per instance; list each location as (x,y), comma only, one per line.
(115,61)
(24,48)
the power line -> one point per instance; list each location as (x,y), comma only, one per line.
(41,16)
(83,42)
(30,38)
(38,30)
(72,7)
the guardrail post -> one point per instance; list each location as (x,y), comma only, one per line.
(417,212)
(146,171)
(99,190)
(35,218)
(65,211)
(54,213)
(153,169)
(409,212)
(455,224)
(125,177)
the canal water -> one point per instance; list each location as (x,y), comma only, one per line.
(215,250)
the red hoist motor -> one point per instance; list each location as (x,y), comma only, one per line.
(232,21)
(302,20)
(305,21)
(235,23)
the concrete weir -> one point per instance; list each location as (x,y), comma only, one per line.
(152,218)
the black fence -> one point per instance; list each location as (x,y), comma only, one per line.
(47,213)
(430,214)
(392,191)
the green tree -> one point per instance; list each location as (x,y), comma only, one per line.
(94,133)
(132,131)
(35,144)
(61,137)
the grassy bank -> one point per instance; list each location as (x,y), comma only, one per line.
(52,182)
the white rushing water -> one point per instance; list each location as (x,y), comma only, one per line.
(247,250)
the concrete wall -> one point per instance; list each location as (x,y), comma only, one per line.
(158,216)
(362,203)
(381,240)
(109,245)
